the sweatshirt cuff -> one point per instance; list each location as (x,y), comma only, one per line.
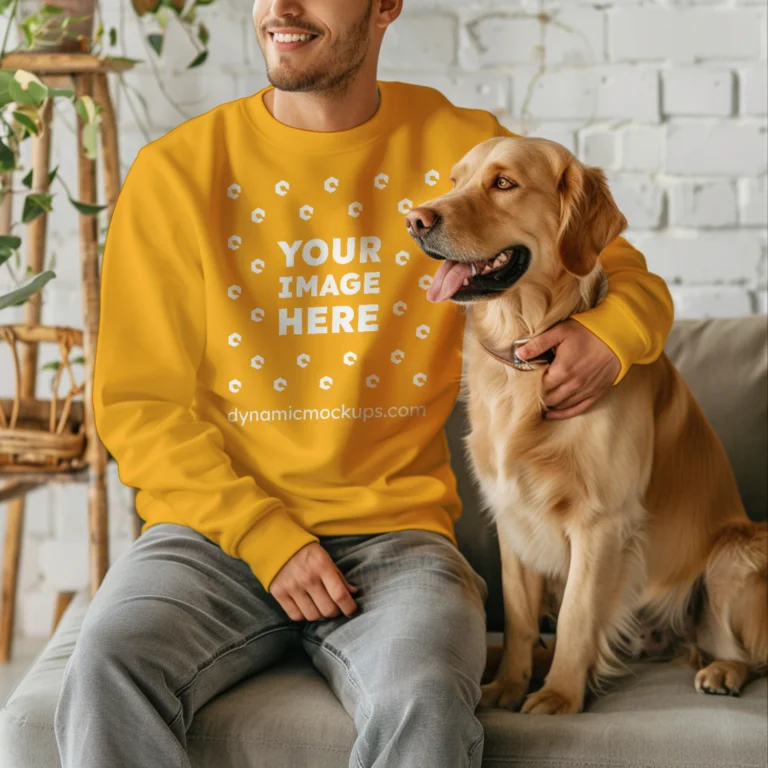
(271,543)
(615,328)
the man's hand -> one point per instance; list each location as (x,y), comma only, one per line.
(310,586)
(583,370)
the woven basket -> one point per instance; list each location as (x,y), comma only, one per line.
(35,434)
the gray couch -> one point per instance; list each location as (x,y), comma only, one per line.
(287,716)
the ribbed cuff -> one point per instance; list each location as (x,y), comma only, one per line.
(615,328)
(271,543)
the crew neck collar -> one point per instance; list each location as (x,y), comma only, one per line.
(302,140)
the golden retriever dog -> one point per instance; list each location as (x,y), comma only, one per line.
(629,512)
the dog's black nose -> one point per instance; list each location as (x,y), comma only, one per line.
(420,220)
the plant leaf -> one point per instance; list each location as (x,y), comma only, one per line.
(50,10)
(67,93)
(9,241)
(23,292)
(199,59)
(33,94)
(35,205)
(89,209)
(28,121)
(29,35)
(156,41)
(24,78)
(90,140)
(27,180)
(7,158)
(6,76)
(119,59)
(87,109)
(36,90)
(112,37)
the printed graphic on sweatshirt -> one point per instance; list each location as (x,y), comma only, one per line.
(304,270)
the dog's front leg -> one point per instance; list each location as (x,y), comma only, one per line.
(592,579)
(522,594)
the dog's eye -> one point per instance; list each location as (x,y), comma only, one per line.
(504,183)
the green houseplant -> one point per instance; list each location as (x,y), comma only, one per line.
(66,26)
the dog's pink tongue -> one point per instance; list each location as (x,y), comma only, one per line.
(447,280)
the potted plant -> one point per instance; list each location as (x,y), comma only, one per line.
(65,26)
(56,25)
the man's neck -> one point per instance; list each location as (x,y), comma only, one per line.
(320,111)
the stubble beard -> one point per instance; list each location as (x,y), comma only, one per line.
(343,61)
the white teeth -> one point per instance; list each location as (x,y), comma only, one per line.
(281,38)
(488,266)
(497,262)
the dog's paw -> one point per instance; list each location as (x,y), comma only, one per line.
(723,678)
(548,701)
(503,694)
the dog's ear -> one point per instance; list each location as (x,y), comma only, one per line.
(589,217)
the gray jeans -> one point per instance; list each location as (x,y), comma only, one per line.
(177,621)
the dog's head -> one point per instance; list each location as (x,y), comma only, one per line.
(518,207)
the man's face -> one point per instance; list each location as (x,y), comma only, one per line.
(340,42)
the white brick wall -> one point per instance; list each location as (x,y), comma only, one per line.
(703,205)
(675,35)
(669,96)
(697,91)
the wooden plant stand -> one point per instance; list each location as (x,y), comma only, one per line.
(86,75)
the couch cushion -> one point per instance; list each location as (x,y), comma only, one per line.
(725,364)
(287,717)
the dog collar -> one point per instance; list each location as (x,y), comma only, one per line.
(545,358)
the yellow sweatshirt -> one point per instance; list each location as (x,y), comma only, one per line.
(268,367)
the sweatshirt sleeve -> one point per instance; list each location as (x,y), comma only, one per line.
(636,314)
(150,343)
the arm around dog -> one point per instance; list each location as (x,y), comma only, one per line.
(151,342)
(636,314)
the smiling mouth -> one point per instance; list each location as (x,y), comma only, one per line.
(291,40)
(455,279)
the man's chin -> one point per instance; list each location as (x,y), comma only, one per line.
(290,81)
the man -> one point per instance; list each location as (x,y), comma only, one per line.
(272,378)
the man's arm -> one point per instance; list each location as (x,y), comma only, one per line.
(151,340)
(636,314)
